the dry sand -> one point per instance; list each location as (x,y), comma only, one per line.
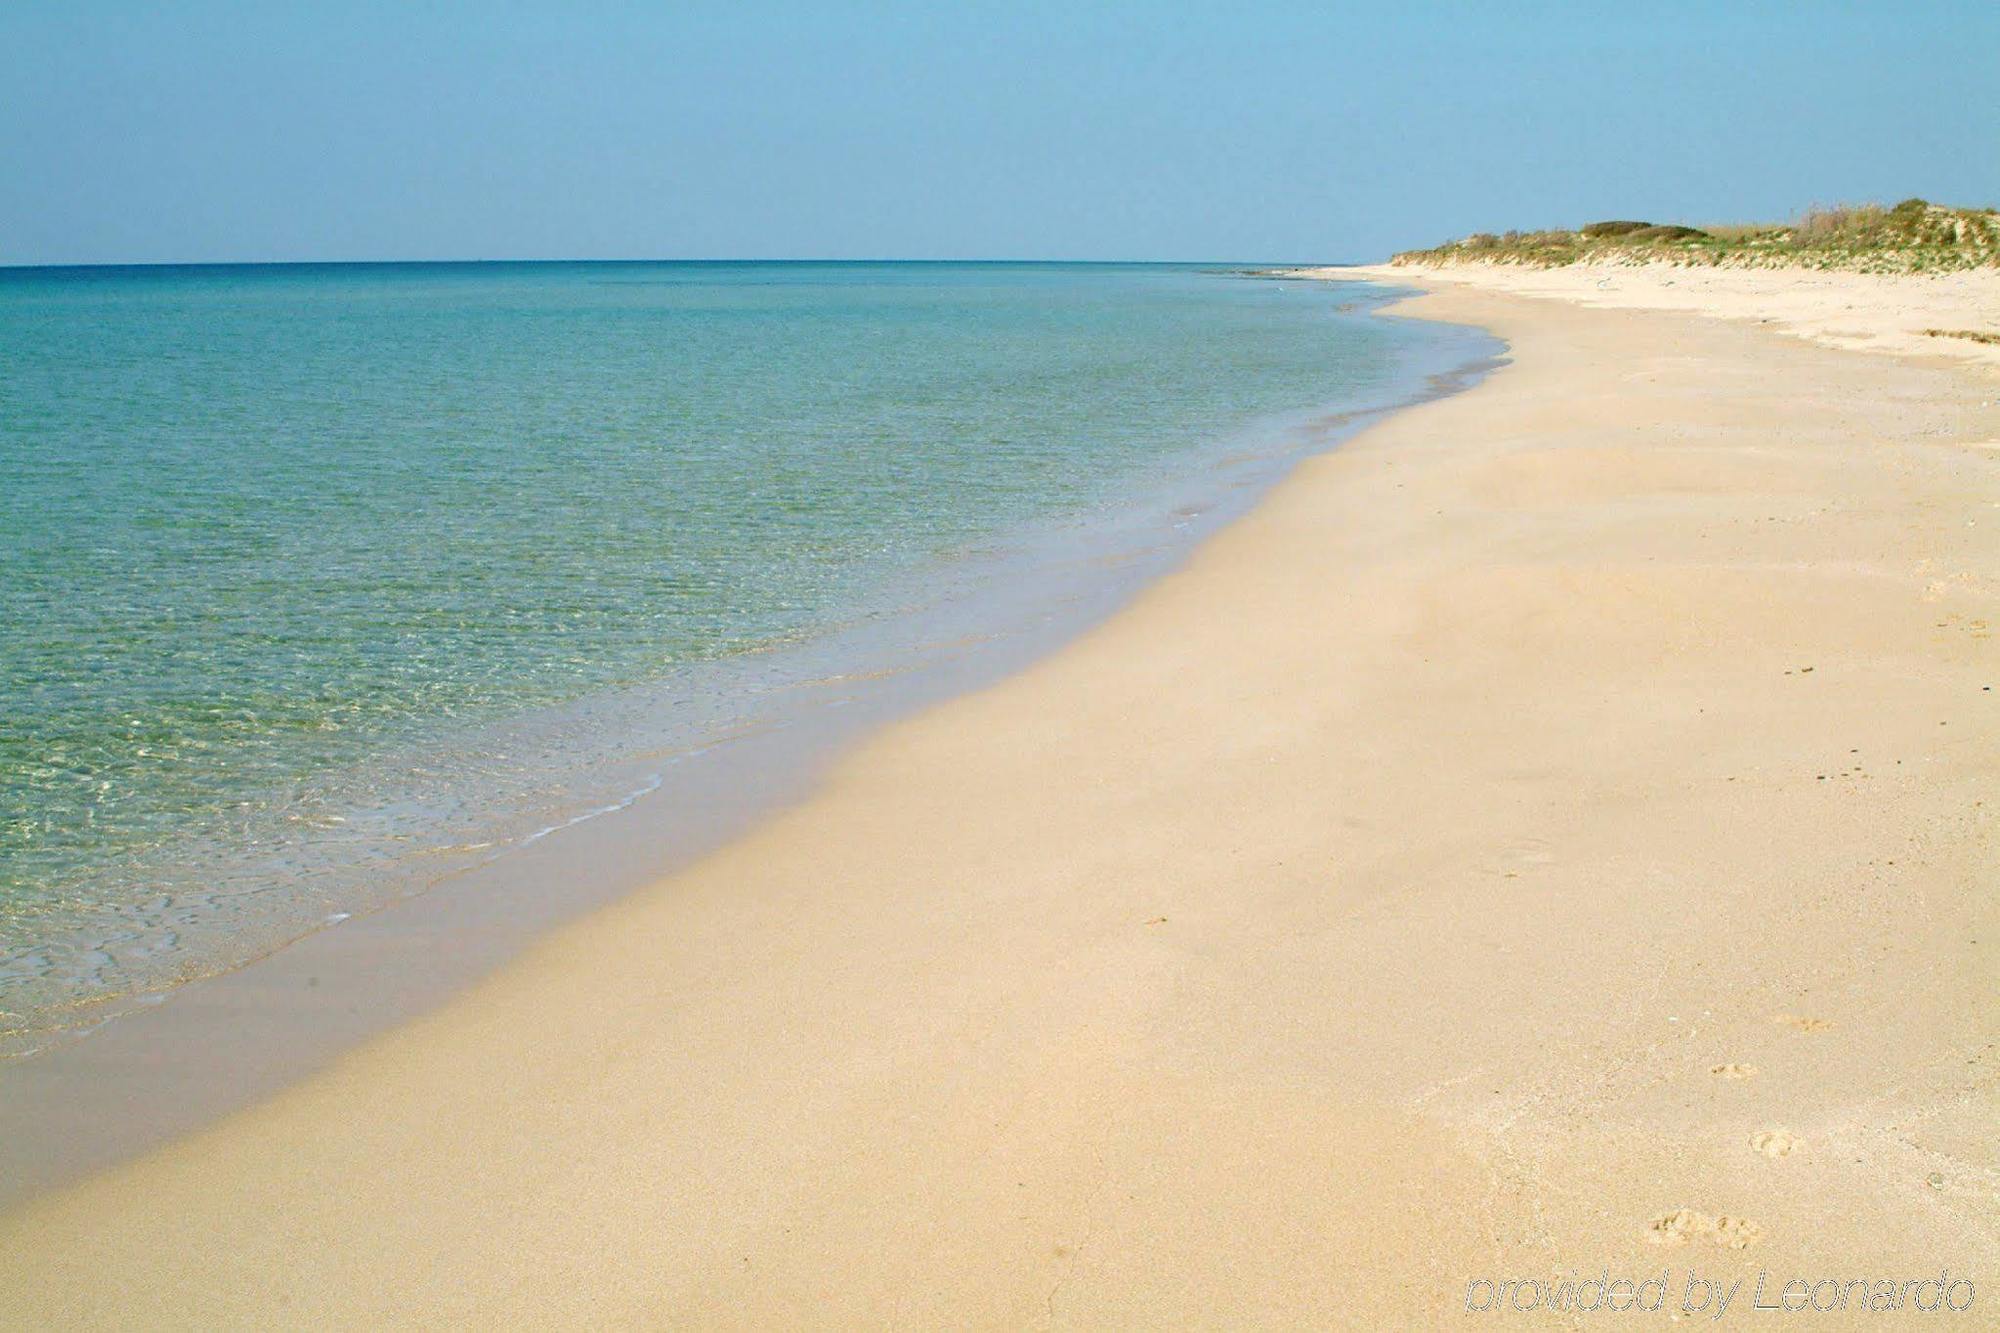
(1553,832)
(1865,312)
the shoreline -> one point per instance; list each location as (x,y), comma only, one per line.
(366,813)
(159,1066)
(1453,868)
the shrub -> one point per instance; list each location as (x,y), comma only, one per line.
(1595,229)
(1820,223)
(1667,233)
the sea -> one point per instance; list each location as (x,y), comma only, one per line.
(323,584)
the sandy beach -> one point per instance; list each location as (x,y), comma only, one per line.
(1911,314)
(1551,835)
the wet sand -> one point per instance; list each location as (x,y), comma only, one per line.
(1551,833)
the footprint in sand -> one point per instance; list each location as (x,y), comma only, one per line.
(1531,854)
(1776,1143)
(1802,1024)
(1685,1224)
(1734,1070)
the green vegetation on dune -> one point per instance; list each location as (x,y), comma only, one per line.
(1915,236)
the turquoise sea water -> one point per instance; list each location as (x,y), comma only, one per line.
(308,574)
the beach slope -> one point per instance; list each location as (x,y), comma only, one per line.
(1551,834)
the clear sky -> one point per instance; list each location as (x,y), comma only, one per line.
(1246,131)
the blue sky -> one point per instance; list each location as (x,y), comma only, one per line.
(1254,131)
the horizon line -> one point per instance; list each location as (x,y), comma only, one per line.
(24,266)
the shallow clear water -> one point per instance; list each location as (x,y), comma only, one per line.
(288,555)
